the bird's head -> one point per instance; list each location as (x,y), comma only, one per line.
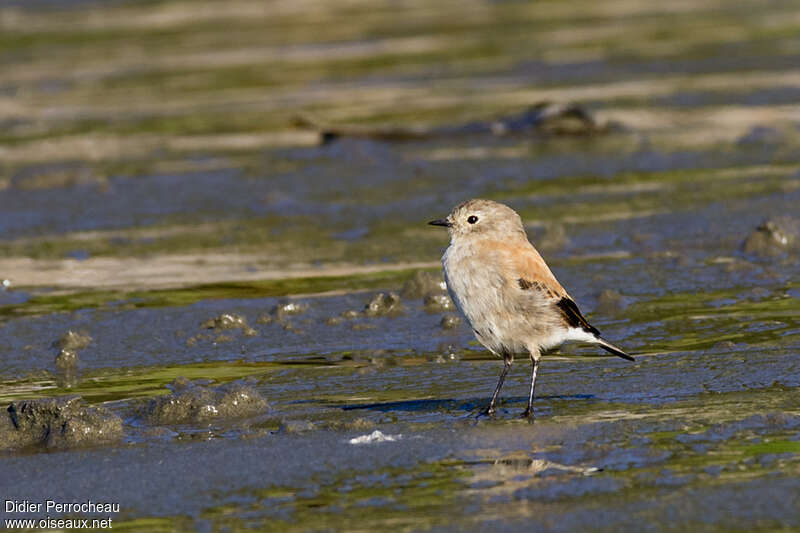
(478,219)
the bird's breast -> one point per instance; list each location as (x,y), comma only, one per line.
(476,288)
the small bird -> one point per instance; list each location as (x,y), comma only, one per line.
(503,287)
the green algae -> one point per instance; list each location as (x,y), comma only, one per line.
(729,318)
(773,446)
(65,302)
(112,385)
(356,500)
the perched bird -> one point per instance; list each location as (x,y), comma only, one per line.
(503,287)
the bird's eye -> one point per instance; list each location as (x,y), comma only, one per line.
(472,219)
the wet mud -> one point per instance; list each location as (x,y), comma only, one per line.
(68,346)
(251,328)
(194,403)
(774,237)
(383,304)
(63,422)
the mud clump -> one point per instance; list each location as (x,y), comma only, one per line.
(423,283)
(383,304)
(73,340)
(358,424)
(350,314)
(438,303)
(228,321)
(283,311)
(67,357)
(58,423)
(289,308)
(447,352)
(192,403)
(295,426)
(221,327)
(773,237)
(68,345)
(432,289)
(549,118)
(450,322)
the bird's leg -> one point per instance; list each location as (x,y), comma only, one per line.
(506,366)
(535,356)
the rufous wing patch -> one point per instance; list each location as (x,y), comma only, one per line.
(523,266)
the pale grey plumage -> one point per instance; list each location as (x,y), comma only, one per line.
(505,290)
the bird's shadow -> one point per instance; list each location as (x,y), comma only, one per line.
(450,404)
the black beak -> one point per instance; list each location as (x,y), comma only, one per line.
(441,222)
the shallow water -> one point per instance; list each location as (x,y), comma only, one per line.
(142,198)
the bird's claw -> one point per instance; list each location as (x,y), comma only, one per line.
(489,411)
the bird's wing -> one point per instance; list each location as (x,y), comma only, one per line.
(522,266)
(534,285)
(525,270)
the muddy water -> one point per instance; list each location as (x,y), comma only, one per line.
(214,265)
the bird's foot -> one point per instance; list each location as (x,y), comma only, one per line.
(489,411)
(528,415)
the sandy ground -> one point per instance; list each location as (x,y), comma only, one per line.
(167,271)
